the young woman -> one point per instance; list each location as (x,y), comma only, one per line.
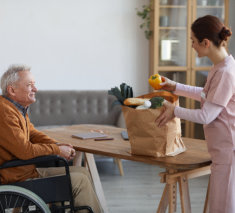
(217,111)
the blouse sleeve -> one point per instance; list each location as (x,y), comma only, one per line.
(188,91)
(206,115)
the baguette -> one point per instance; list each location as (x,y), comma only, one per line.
(135,101)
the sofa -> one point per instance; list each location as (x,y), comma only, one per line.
(69,107)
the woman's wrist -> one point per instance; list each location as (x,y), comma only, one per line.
(174,86)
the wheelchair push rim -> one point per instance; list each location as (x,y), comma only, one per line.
(17,199)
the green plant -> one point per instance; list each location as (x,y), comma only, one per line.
(121,94)
(145,14)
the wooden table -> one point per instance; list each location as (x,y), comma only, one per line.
(193,163)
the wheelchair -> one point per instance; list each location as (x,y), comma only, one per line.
(39,195)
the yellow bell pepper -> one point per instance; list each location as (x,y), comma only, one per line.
(155,81)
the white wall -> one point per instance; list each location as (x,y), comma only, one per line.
(76,44)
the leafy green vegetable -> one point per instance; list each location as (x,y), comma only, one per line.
(121,94)
(123,88)
(156,102)
(129,92)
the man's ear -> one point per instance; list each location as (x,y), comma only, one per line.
(206,42)
(10,90)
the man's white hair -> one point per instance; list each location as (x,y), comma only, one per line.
(10,77)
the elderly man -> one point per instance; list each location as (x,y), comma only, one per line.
(19,139)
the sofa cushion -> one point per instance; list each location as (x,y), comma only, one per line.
(74,107)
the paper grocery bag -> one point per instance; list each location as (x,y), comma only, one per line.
(146,137)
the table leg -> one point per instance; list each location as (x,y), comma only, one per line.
(184,194)
(170,178)
(206,205)
(172,197)
(90,163)
(164,201)
(119,163)
(168,199)
(77,161)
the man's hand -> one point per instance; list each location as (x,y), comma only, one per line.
(64,144)
(167,114)
(67,151)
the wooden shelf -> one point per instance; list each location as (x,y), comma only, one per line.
(173,6)
(171,68)
(201,68)
(172,28)
(210,7)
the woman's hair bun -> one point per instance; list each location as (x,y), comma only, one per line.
(225,33)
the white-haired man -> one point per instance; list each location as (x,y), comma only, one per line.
(19,139)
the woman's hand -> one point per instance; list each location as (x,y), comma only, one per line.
(168,84)
(167,114)
(67,151)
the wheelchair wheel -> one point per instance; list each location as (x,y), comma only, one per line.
(15,199)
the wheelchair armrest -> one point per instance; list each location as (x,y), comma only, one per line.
(40,159)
